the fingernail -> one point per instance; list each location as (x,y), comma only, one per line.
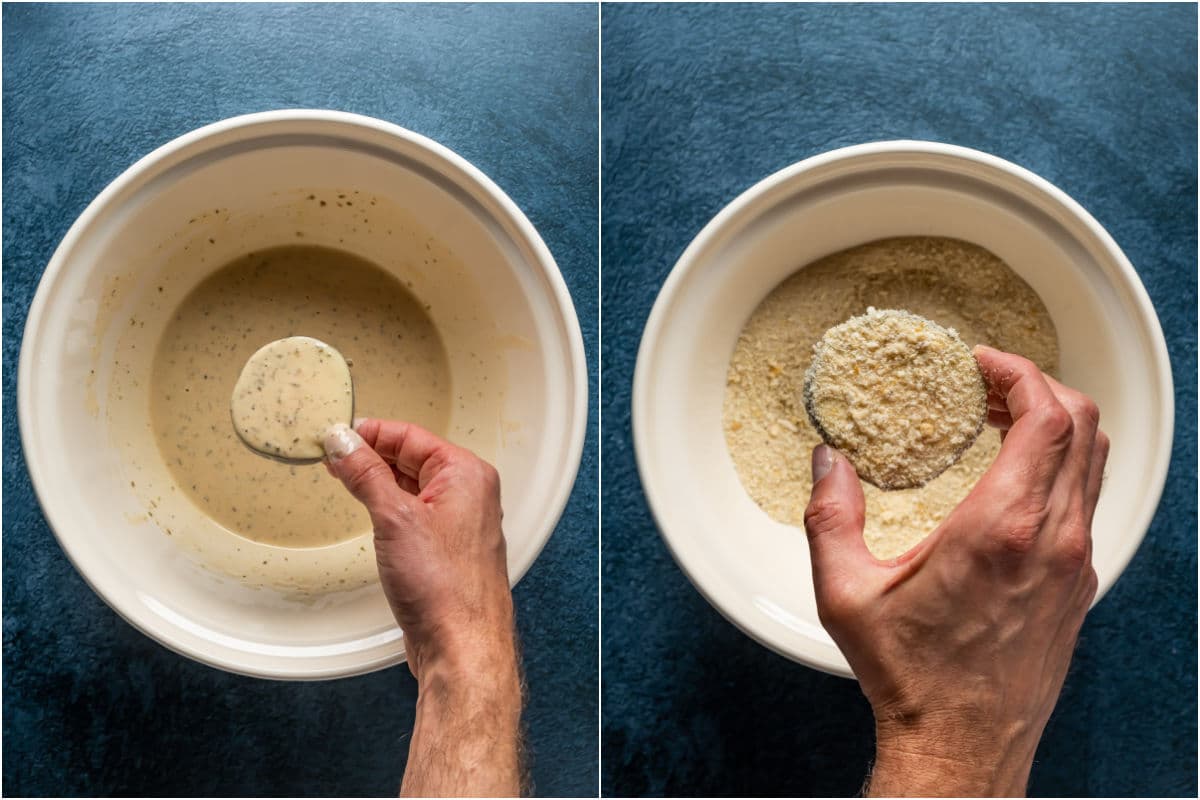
(340,441)
(357,421)
(822,461)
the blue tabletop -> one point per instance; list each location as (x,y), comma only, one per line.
(699,103)
(91,706)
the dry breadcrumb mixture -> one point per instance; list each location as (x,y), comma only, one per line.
(954,283)
(898,394)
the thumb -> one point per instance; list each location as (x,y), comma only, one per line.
(835,514)
(361,470)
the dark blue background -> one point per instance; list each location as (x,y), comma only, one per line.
(90,705)
(701,102)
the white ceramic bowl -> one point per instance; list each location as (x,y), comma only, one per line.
(244,183)
(756,571)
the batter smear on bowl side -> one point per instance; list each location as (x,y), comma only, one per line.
(767,430)
(899,395)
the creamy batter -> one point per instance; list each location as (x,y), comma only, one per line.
(289,394)
(399,368)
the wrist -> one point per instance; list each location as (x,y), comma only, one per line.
(474,661)
(952,759)
(467,733)
(484,665)
(480,686)
(461,643)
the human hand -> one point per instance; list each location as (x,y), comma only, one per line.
(435,508)
(436,513)
(962,644)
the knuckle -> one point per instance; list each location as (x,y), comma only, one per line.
(1090,411)
(360,476)
(1019,538)
(1082,408)
(1072,551)
(827,514)
(1021,530)
(483,473)
(491,476)
(1055,424)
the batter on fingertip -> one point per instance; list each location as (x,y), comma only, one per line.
(340,441)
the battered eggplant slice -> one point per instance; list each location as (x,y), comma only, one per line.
(901,396)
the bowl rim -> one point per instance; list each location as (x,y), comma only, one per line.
(470,178)
(698,250)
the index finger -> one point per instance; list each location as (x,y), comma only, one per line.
(1013,380)
(1036,443)
(410,447)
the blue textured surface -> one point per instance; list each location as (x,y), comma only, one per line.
(701,102)
(90,705)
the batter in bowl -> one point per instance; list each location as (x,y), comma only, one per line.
(398,362)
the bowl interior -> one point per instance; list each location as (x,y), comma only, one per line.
(756,571)
(415,210)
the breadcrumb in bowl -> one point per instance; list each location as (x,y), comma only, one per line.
(958,284)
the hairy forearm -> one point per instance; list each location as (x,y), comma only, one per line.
(466,740)
(943,764)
